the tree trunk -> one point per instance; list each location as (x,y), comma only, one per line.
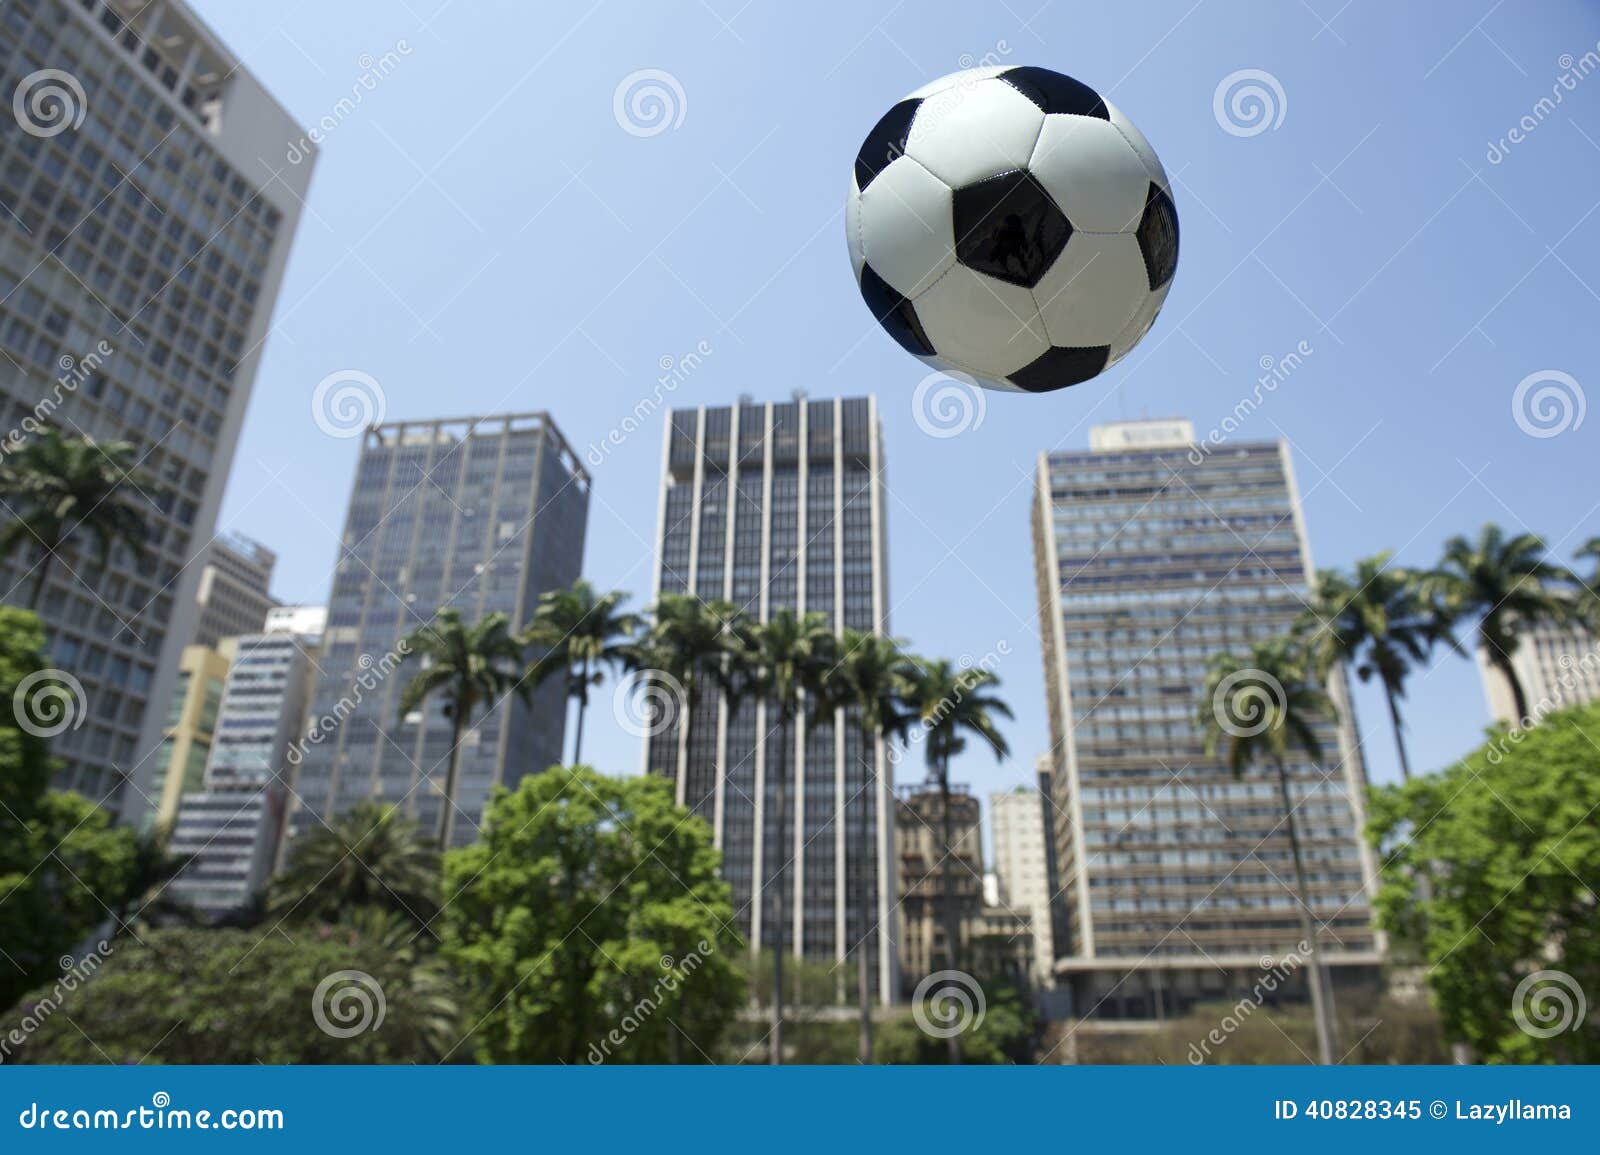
(1399,735)
(863,988)
(952,920)
(583,704)
(777,878)
(43,572)
(685,733)
(1502,662)
(1319,1008)
(447,808)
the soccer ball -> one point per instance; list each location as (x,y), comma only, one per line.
(1012,224)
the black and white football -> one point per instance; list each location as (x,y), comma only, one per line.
(1012,224)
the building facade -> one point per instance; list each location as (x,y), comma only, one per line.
(1558,666)
(233,593)
(142,245)
(231,828)
(476,514)
(180,763)
(773,506)
(1152,554)
(1022,868)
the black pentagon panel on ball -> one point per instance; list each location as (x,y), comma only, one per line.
(1009,227)
(1158,237)
(1059,367)
(1055,93)
(895,313)
(885,142)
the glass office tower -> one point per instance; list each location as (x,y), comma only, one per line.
(1152,555)
(780,505)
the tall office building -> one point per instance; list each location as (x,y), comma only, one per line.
(1557,665)
(230,828)
(1022,867)
(233,593)
(476,514)
(1152,555)
(180,763)
(142,245)
(780,505)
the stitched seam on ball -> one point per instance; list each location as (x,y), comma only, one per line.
(1158,178)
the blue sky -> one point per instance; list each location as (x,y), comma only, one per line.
(482,236)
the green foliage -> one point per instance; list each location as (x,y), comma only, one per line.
(580,634)
(233,996)
(1259,706)
(63,868)
(1006,1033)
(952,703)
(592,925)
(369,856)
(1484,869)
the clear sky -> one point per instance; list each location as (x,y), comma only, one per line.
(482,236)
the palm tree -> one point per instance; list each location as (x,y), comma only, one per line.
(469,666)
(1509,585)
(1260,707)
(369,856)
(951,703)
(1378,621)
(688,640)
(581,635)
(784,662)
(55,486)
(872,674)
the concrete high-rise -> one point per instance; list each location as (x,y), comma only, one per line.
(1557,665)
(233,593)
(142,245)
(475,514)
(772,506)
(1152,554)
(1022,867)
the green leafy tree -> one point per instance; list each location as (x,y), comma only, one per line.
(580,635)
(593,924)
(951,703)
(1379,622)
(55,487)
(371,856)
(469,667)
(691,643)
(360,992)
(872,675)
(785,662)
(1487,874)
(63,867)
(1261,708)
(1506,585)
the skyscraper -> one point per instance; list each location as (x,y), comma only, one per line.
(1557,665)
(1152,554)
(1022,867)
(780,505)
(142,244)
(233,594)
(476,514)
